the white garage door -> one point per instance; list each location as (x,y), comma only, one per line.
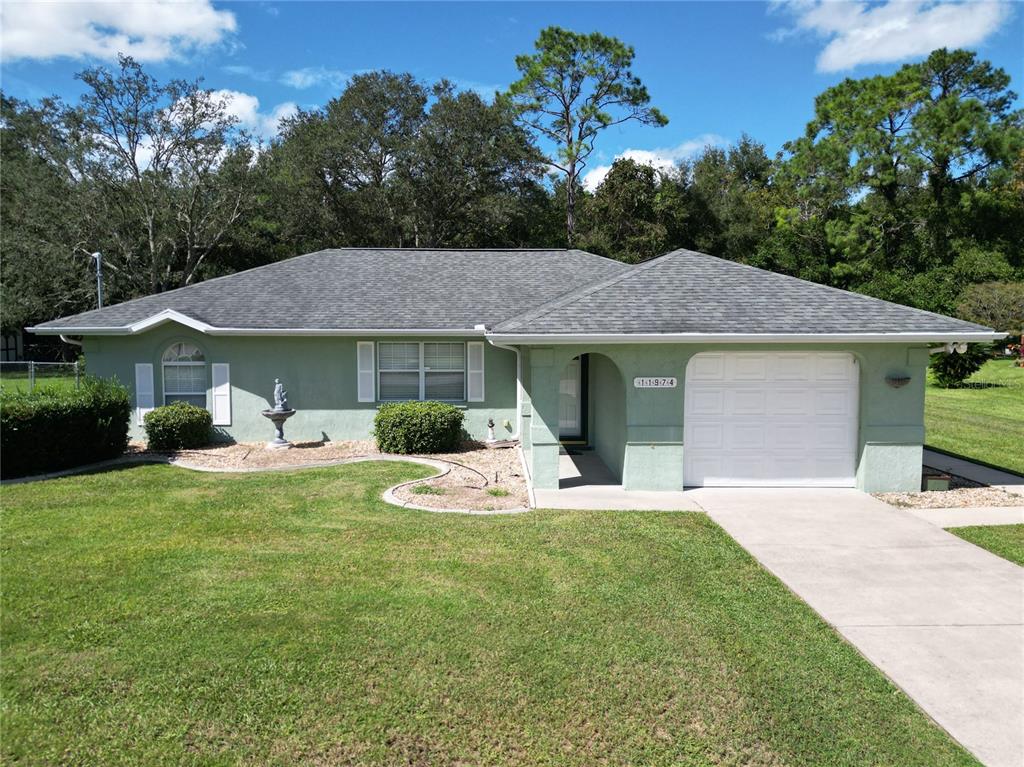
(763,419)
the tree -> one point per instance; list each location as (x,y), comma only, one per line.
(571,89)
(909,179)
(731,186)
(622,218)
(999,305)
(164,170)
(42,273)
(342,172)
(473,171)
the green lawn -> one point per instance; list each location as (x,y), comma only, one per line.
(1006,541)
(19,382)
(156,616)
(983,423)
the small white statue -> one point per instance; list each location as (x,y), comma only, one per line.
(280,396)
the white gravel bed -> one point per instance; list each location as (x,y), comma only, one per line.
(965,497)
(482,479)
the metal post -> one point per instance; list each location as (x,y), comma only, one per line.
(98,257)
(31,376)
(76,375)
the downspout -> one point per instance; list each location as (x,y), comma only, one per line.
(70,341)
(519,377)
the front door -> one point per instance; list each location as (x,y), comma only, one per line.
(569,402)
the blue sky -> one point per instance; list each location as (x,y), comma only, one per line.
(716,69)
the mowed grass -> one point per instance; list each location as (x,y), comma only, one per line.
(1006,541)
(157,616)
(985,423)
(20,382)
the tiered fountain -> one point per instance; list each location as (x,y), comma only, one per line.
(278,415)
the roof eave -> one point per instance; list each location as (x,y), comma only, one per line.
(741,338)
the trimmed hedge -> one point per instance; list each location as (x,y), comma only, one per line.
(178,426)
(54,428)
(418,427)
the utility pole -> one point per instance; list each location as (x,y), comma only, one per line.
(98,258)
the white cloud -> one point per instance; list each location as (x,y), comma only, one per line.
(307,77)
(660,159)
(862,33)
(246,108)
(150,31)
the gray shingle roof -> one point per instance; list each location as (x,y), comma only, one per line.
(519,292)
(371,288)
(689,292)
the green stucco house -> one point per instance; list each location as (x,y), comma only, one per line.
(685,370)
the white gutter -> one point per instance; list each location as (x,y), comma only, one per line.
(128,330)
(741,338)
(519,378)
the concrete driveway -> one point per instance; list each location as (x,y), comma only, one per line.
(939,616)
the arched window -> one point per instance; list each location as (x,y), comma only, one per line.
(184,368)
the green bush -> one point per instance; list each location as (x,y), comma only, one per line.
(178,426)
(417,427)
(951,370)
(56,428)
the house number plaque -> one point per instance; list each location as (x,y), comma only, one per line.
(642,382)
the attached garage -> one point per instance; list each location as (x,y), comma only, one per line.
(770,419)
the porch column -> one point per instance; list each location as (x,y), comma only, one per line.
(544,379)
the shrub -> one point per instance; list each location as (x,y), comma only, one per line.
(178,426)
(951,370)
(426,490)
(54,428)
(417,427)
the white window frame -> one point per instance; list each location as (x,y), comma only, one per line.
(164,364)
(423,370)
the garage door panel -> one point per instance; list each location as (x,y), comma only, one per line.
(708,402)
(710,436)
(748,367)
(763,419)
(832,402)
(831,436)
(753,435)
(746,402)
(789,436)
(791,367)
(832,367)
(706,367)
(789,401)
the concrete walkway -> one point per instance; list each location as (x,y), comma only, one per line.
(986,475)
(940,617)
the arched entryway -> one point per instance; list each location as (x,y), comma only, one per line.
(592,421)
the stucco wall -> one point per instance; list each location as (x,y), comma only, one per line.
(891,420)
(319,374)
(608,409)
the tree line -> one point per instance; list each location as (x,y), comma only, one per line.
(908,187)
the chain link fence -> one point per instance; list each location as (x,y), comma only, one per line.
(28,376)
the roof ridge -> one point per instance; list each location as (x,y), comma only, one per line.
(575,295)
